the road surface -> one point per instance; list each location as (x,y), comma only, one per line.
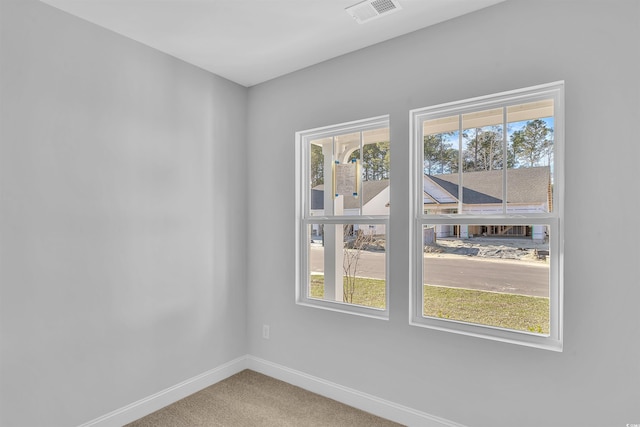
(510,276)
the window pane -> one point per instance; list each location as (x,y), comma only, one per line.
(374,161)
(482,162)
(349,174)
(358,251)
(317,150)
(440,163)
(493,275)
(485,267)
(441,140)
(530,157)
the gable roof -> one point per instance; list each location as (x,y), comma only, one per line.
(524,185)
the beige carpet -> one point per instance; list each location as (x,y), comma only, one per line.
(252,399)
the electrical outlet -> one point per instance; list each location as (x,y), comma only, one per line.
(265,332)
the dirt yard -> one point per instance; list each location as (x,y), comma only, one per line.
(496,248)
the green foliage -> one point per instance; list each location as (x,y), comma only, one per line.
(533,143)
(484,149)
(439,156)
(317,165)
(375,161)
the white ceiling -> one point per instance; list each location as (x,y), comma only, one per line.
(252,41)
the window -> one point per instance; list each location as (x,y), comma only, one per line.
(488,193)
(342,200)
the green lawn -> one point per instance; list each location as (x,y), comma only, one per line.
(519,312)
(369,292)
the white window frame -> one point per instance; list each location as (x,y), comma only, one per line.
(552,341)
(303,218)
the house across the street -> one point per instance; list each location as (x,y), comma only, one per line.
(374,201)
(528,190)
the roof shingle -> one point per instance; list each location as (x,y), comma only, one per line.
(524,185)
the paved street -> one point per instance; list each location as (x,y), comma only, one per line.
(517,277)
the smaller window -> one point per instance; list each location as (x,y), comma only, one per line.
(342,200)
(488,181)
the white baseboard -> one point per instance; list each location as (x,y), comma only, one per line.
(159,400)
(366,402)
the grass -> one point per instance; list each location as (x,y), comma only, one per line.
(510,311)
(368,292)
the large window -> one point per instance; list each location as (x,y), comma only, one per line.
(488,192)
(342,179)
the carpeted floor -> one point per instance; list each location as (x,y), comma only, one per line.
(250,399)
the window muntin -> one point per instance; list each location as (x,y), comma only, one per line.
(343,216)
(489,169)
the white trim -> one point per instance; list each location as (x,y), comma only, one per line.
(346,219)
(346,308)
(500,99)
(303,218)
(363,401)
(554,340)
(356,125)
(357,399)
(148,405)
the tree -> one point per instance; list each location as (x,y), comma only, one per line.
(317,166)
(439,157)
(532,143)
(484,150)
(375,161)
(351,257)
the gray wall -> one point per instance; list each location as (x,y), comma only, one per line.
(122,222)
(122,213)
(594,47)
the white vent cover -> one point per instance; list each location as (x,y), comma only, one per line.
(368,10)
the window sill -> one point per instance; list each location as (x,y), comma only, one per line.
(544,342)
(339,307)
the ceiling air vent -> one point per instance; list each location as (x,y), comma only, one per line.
(368,10)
